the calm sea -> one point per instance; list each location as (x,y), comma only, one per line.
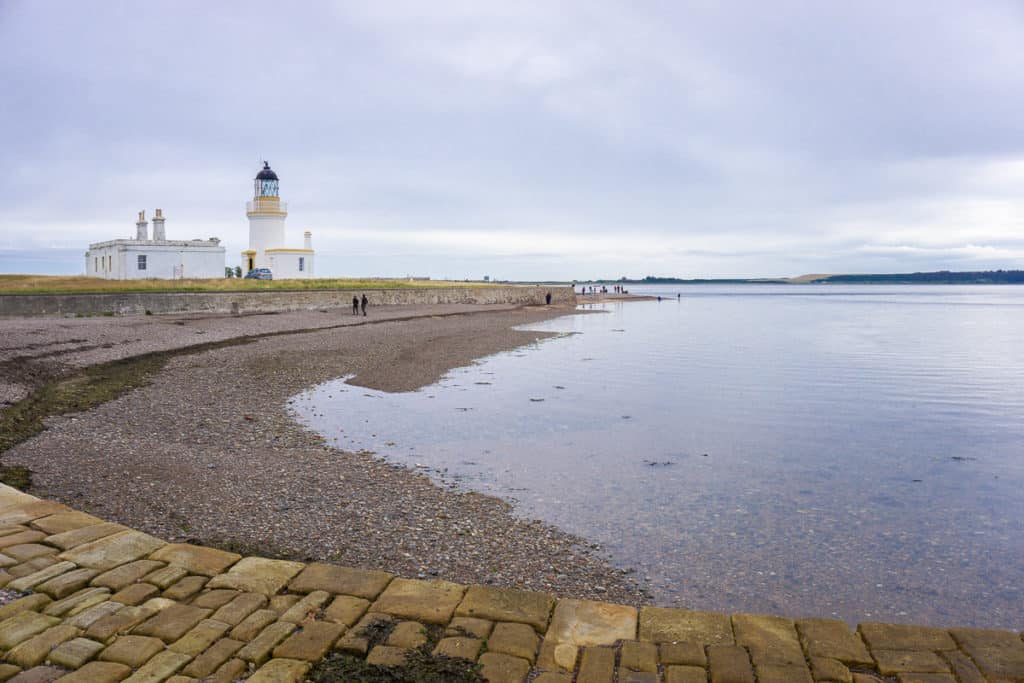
(855,451)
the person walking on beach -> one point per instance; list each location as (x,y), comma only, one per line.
(355,305)
(365,301)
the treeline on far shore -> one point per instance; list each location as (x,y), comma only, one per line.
(940,277)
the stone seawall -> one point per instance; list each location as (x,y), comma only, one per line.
(156,303)
(100,603)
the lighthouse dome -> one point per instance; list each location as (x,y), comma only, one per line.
(266,173)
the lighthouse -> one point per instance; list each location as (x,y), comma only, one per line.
(267,249)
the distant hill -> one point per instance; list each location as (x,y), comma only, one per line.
(941,277)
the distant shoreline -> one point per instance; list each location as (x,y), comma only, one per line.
(942,277)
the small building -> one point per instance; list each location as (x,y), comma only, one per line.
(141,258)
(267,246)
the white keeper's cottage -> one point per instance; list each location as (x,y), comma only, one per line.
(140,258)
(267,247)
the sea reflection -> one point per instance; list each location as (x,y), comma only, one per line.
(848,451)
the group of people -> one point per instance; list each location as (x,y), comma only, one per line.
(356,302)
(603,289)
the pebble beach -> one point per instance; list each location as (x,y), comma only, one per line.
(207,451)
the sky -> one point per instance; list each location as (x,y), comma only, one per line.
(524,140)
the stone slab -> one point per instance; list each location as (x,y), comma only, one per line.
(506,604)
(113,551)
(925,678)
(280,671)
(77,602)
(682,654)
(121,621)
(685,674)
(251,626)
(35,650)
(964,668)
(408,635)
(588,623)
(32,580)
(307,608)
(25,568)
(360,583)
(597,665)
(668,625)
(469,626)
(311,642)
(230,671)
(11,497)
(24,513)
(27,536)
(165,576)
(200,637)
(459,647)
(23,626)
(830,670)
(283,602)
(64,585)
(159,668)
(38,674)
(258,650)
(903,637)
(212,658)
(73,538)
(173,622)
(769,639)
(891,662)
(98,672)
(637,656)
(135,594)
(240,607)
(25,552)
(133,651)
(196,559)
(215,599)
(729,664)
(833,639)
(74,653)
(499,668)
(29,603)
(517,640)
(125,575)
(431,602)
(65,521)
(785,673)
(346,610)
(999,654)
(258,575)
(185,588)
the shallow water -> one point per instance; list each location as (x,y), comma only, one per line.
(838,450)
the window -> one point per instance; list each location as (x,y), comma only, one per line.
(95,264)
(142,261)
(302,263)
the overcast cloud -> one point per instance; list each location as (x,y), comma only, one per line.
(524,140)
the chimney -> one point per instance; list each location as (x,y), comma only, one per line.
(158,226)
(308,243)
(142,227)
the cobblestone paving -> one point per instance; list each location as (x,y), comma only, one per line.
(95,602)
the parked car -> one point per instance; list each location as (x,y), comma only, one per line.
(259,274)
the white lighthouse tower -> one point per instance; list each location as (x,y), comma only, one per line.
(267,248)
